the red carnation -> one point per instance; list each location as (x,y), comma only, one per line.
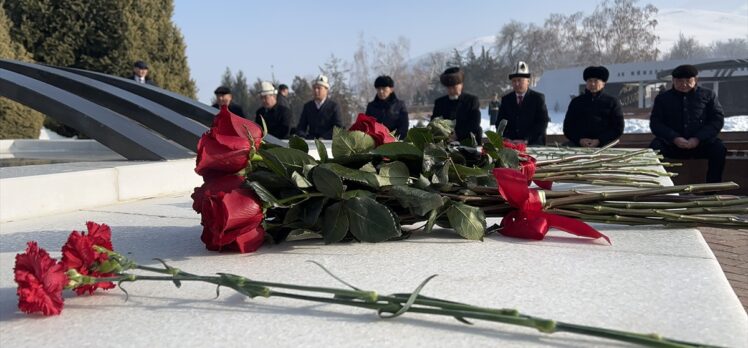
(224,149)
(369,125)
(40,280)
(78,253)
(232,221)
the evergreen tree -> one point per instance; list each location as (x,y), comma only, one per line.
(104,36)
(16,120)
(301,92)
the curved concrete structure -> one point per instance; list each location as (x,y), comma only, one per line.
(165,121)
(119,133)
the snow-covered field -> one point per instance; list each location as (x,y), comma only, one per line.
(556,126)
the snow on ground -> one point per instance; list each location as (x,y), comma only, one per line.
(47,134)
(556,126)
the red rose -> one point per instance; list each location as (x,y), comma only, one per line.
(232,221)
(40,280)
(369,125)
(224,149)
(78,253)
(225,183)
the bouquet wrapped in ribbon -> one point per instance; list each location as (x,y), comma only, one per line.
(374,188)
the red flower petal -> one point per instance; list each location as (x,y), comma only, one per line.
(78,253)
(40,280)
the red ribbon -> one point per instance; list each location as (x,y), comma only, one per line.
(527,167)
(529,221)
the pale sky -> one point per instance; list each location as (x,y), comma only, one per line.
(288,38)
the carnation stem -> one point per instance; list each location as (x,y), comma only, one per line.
(395,304)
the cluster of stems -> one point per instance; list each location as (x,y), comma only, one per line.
(386,306)
(604,166)
(649,206)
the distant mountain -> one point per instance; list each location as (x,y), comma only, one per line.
(705,26)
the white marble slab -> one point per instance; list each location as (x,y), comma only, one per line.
(649,280)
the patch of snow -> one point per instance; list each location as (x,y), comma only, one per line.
(48,134)
(632,125)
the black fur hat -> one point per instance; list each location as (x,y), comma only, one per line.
(452,77)
(598,72)
(685,71)
(222,90)
(384,81)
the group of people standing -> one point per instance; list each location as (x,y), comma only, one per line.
(685,119)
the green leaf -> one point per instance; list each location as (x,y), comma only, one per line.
(441,175)
(311,209)
(321,150)
(369,167)
(420,137)
(433,155)
(394,173)
(495,139)
(267,197)
(302,234)
(351,174)
(465,171)
(468,221)
(270,180)
(371,221)
(509,158)
(398,150)
(346,143)
(358,193)
(295,142)
(422,182)
(327,182)
(431,221)
(441,127)
(335,223)
(283,161)
(419,201)
(300,181)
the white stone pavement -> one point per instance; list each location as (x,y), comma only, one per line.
(649,280)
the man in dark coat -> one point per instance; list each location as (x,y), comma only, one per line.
(283,95)
(463,108)
(276,116)
(387,109)
(320,115)
(223,97)
(686,121)
(594,118)
(140,73)
(524,110)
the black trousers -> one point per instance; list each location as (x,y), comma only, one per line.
(713,150)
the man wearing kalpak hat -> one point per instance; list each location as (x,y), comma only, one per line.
(224,97)
(320,115)
(686,121)
(461,107)
(524,110)
(276,116)
(594,118)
